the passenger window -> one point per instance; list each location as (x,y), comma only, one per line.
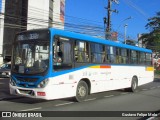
(81,51)
(97,53)
(134,57)
(124,56)
(142,58)
(111,54)
(148,59)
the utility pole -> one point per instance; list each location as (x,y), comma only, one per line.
(125,32)
(109,16)
(108,19)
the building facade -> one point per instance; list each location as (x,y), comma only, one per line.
(140,41)
(20,15)
(48,13)
(2,4)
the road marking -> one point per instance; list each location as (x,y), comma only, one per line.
(31,109)
(144,89)
(152,88)
(124,93)
(90,99)
(151,118)
(158,86)
(64,104)
(109,96)
(1,83)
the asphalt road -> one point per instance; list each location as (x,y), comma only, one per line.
(146,98)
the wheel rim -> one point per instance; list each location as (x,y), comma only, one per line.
(81,91)
(134,85)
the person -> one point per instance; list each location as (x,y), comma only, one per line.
(40,64)
(18,60)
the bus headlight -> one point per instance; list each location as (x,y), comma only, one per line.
(12,82)
(43,83)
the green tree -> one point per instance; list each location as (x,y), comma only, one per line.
(152,39)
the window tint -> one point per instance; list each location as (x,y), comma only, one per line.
(142,58)
(148,59)
(134,57)
(81,51)
(124,56)
(89,52)
(97,53)
(111,54)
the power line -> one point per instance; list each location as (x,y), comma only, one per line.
(138,9)
(81,26)
(87,29)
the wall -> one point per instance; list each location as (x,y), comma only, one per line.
(45,13)
(2,4)
(14,22)
(38,14)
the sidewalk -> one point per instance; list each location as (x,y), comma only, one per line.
(157,76)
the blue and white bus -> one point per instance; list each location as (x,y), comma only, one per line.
(53,64)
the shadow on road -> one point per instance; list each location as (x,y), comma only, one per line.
(156,80)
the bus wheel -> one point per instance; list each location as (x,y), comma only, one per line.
(82,91)
(134,84)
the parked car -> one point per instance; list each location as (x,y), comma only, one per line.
(5,69)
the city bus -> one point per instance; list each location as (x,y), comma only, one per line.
(53,64)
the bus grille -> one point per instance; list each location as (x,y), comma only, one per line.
(27,79)
(26,92)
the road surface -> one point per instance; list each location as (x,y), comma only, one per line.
(146,98)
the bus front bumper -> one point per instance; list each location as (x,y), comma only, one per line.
(29,92)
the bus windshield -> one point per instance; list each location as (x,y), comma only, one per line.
(30,57)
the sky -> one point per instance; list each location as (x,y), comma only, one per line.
(93,12)
(0,5)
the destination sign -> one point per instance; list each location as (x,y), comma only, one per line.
(33,35)
(28,37)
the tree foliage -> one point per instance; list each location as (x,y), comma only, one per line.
(152,39)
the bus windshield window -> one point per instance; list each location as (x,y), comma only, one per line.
(31,57)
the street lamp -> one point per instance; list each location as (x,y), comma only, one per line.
(125,32)
(123,21)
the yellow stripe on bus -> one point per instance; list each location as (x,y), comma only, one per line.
(95,66)
(101,66)
(149,68)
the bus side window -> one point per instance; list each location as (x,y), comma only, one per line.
(148,59)
(76,52)
(142,58)
(124,56)
(104,54)
(81,51)
(134,58)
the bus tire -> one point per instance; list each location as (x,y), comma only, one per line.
(82,91)
(134,84)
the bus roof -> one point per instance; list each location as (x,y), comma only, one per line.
(96,40)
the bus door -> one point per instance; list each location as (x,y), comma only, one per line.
(62,55)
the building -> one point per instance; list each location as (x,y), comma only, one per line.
(48,13)
(1,29)
(20,15)
(140,41)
